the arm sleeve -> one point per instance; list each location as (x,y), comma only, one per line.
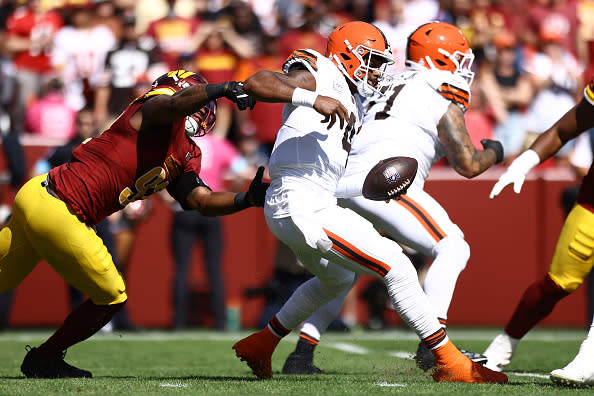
(181,187)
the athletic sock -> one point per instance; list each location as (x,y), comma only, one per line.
(436,340)
(306,345)
(538,301)
(82,323)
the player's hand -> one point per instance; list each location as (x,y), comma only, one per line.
(331,109)
(511,176)
(257,191)
(235,93)
(496,146)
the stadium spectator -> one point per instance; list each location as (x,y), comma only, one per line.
(127,63)
(220,162)
(144,151)
(306,34)
(390,18)
(219,49)
(50,115)
(555,75)
(572,260)
(106,13)
(559,16)
(79,55)
(507,90)
(29,42)
(262,122)
(247,26)
(172,35)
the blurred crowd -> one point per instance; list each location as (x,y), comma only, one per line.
(59,56)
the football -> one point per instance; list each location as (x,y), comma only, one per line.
(389,178)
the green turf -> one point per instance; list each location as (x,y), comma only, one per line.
(202,363)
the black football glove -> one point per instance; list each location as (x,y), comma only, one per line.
(235,93)
(255,194)
(494,145)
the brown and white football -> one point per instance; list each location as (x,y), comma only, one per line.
(389,178)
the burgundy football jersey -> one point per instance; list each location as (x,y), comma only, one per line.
(123,165)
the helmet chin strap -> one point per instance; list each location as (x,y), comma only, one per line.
(364,88)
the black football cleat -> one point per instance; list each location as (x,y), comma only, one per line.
(300,364)
(474,356)
(425,359)
(36,366)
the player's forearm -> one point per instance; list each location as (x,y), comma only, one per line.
(218,203)
(164,109)
(577,120)
(269,86)
(462,156)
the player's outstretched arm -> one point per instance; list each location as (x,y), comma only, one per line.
(462,156)
(577,120)
(220,203)
(296,87)
(165,109)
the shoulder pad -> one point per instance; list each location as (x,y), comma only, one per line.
(307,57)
(452,87)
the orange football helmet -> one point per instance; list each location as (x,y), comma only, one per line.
(358,48)
(439,45)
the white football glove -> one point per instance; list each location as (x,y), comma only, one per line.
(516,173)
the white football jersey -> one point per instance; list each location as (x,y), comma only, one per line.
(403,122)
(308,159)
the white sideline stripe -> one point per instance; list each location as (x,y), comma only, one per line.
(350,348)
(402,355)
(535,375)
(170,385)
(386,384)
(546,335)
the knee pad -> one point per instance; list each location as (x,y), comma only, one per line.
(573,258)
(455,249)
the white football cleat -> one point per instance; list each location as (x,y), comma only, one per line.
(580,372)
(500,352)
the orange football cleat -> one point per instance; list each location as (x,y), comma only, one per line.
(256,350)
(453,366)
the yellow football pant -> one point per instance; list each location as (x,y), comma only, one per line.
(42,227)
(574,253)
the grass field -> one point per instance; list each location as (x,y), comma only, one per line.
(202,363)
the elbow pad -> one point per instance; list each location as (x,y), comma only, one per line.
(181,187)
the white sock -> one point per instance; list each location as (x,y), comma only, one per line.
(451,256)
(409,300)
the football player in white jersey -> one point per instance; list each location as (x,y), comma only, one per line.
(419,115)
(334,243)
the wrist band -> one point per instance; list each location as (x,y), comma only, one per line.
(215,91)
(303,97)
(525,162)
(240,201)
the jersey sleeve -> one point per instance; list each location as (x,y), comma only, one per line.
(452,87)
(303,58)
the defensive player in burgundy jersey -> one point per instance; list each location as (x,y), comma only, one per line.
(574,254)
(334,243)
(146,150)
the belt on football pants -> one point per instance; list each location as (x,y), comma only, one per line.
(51,190)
